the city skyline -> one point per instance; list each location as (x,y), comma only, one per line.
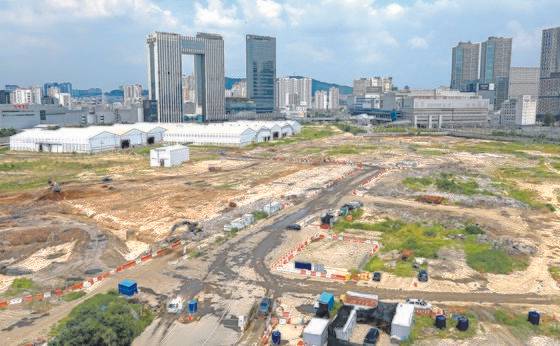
(397,30)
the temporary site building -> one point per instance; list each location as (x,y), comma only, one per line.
(295,126)
(286,129)
(210,135)
(169,156)
(152,132)
(65,140)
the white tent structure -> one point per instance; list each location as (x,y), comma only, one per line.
(121,136)
(210,135)
(65,140)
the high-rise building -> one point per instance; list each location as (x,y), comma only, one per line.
(261,71)
(495,64)
(334,96)
(523,81)
(294,92)
(549,79)
(132,94)
(4,97)
(65,100)
(321,100)
(165,75)
(464,66)
(189,89)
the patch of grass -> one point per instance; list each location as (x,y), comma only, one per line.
(529,197)
(390,129)
(418,184)
(73,296)
(448,183)
(20,286)
(4,149)
(424,241)
(343,150)
(404,269)
(424,329)
(485,259)
(259,215)
(355,130)
(535,174)
(374,264)
(521,328)
(554,272)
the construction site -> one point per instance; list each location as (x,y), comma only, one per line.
(390,224)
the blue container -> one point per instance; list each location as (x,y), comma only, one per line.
(462,323)
(276,337)
(193,306)
(441,322)
(302,265)
(128,287)
(534,317)
(327,299)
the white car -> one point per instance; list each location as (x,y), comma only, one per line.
(419,303)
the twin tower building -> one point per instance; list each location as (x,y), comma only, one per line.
(165,51)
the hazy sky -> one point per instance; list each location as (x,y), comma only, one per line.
(101,43)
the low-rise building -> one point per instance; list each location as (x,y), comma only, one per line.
(169,156)
(520,111)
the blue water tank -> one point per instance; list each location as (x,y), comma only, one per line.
(440,321)
(462,323)
(193,306)
(276,337)
(128,287)
(534,317)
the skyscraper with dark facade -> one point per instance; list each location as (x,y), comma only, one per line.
(549,79)
(261,71)
(495,64)
(464,66)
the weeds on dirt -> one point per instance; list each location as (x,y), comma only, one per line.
(73,296)
(20,286)
(483,258)
(259,215)
(521,328)
(445,182)
(307,133)
(554,272)
(424,328)
(355,130)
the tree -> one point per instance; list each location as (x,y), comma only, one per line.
(548,119)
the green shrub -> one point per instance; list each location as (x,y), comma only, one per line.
(259,215)
(73,296)
(485,259)
(104,319)
(473,229)
(374,264)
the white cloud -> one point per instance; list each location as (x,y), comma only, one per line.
(215,15)
(393,11)
(418,42)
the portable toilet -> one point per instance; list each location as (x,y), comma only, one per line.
(128,287)
(327,299)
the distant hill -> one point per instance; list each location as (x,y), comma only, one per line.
(315,85)
(318,85)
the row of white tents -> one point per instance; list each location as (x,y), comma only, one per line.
(121,136)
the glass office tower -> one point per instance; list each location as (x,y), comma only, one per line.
(261,71)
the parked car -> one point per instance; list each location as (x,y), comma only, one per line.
(376,276)
(423,276)
(294,227)
(419,303)
(371,337)
(265,306)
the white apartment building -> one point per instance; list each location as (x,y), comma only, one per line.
(334,98)
(65,100)
(321,100)
(520,111)
(132,94)
(293,92)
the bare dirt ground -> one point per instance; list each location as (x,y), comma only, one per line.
(95,225)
